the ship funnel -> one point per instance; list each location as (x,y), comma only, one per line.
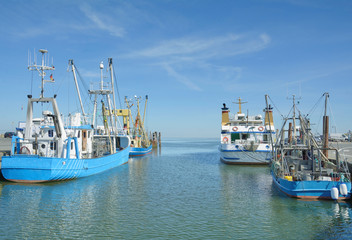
(269,121)
(225,115)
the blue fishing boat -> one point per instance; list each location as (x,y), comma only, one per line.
(138,152)
(46,149)
(301,167)
(140,142)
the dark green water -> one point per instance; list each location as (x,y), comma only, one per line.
(184,192)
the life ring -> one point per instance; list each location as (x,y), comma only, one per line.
(261,129)
(27,149)
(225,139)
(235,129)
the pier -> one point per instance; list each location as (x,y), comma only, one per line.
(5,149)
(156,139)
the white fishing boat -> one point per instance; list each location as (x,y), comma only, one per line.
(246,139)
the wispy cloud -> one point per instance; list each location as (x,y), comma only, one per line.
(184,80)
(102,22)
(205,48)
(178,56)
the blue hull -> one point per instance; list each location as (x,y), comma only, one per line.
(32,168)
(310,189)
(138,152)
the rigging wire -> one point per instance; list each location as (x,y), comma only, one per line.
(85,86)
(117,88)
(276,107)
(319,121)
(87,100)
(315,106)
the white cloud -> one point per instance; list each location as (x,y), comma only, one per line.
(205,48)
(184,80)
(179,56)
(102,22)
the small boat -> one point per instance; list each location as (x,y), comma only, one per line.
(246,139)
(46,149)
(140,142)
(301,167)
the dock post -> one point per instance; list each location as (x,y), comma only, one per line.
(159,139)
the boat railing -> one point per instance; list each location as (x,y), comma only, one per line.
(33,146)
(102,132)
(106,86)
(241,141)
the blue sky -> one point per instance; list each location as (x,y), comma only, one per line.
(188,56)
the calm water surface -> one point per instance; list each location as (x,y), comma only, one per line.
(181,192)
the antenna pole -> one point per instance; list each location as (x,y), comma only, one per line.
(42,73)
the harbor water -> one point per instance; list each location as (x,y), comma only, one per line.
(181,191)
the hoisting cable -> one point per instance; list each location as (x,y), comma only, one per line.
(276,107)
(117,88)
(315,105)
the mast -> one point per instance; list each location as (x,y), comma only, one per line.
(94,110)
(141,129)
(294,121)
(267,114)
(41,69)
(113,91)
(70,62)
(239,104)
(106,125)
(107,94)
(129,112)
(139,117)
(325,127)
(145,107)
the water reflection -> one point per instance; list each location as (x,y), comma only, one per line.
(178,194)
(62,208)
(251,201)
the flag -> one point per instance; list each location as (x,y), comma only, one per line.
(51,78)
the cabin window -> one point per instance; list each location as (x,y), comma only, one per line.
(71,145)
(84,134)
(265,137)
(89,134)
(79,134)
(51,133)
(245,136)
(43,146)
(53,145)
(235,136)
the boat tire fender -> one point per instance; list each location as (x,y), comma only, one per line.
(225,139)
(235,129)
(261,129)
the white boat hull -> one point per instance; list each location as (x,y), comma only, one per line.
(245,157)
